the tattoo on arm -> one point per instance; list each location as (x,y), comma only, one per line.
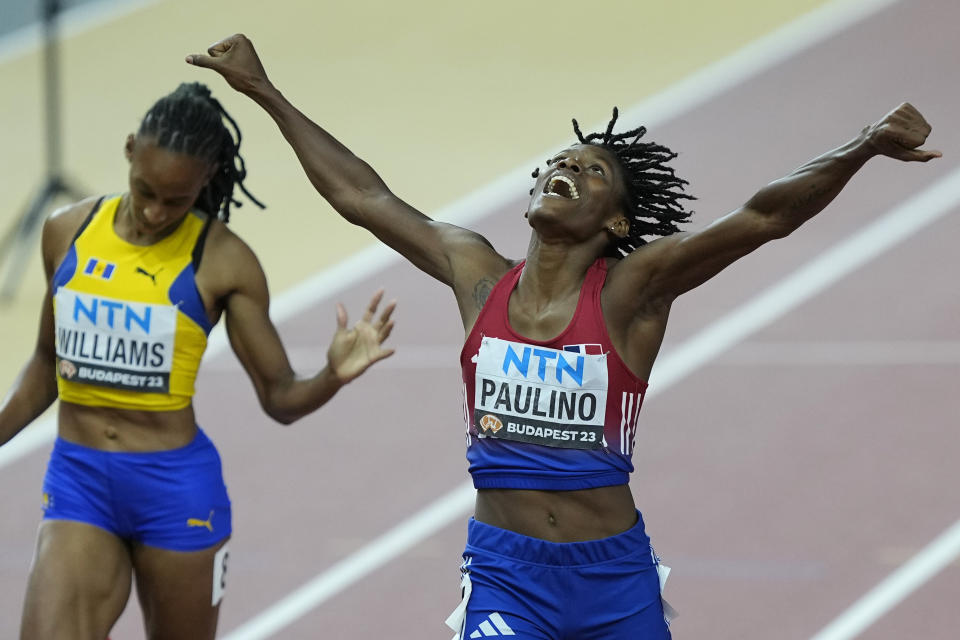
(810,195)
(481,291)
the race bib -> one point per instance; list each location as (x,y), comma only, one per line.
(539,395)
(114,343)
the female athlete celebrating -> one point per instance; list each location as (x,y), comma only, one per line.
(559,346)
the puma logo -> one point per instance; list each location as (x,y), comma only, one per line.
(152,276)
(197,522)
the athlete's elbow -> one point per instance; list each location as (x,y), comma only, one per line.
(355,204)
(781,226)
(276,406)
(293,399)
(771,225)
(285,418)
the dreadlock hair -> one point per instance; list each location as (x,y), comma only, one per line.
(653,192)
(190,120)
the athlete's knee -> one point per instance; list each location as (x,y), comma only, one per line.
(181,592)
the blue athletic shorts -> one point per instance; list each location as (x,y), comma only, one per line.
(524,587)
(173,499)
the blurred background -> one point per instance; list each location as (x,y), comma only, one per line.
(440,97)
(784,479)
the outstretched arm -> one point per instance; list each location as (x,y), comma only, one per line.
(285,396)
(348,183)
(679,263)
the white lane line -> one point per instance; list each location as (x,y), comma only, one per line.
(844,353)
(817,353)
(687,94)
(72,22)
(408,356)
(753,59)
(823,271)
(818,274)
(896,587)
(344,573)
(38,434)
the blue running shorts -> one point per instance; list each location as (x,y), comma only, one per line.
(526,588)
(173,499)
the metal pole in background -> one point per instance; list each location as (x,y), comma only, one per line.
(18,242)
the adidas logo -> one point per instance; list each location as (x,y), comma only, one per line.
(494,625)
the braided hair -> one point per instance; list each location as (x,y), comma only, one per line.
(190,120)
(653,192)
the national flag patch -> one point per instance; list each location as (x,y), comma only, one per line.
(97,268)
(586,349)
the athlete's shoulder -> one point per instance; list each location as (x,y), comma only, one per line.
(61,226)
(68,218)
(645,259)
(471,247)
(223,245)
(506,266)
(228,264)
(655,248)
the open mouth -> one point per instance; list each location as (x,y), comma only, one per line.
(562,186)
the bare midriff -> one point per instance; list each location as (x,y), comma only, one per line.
(559,516)
(110,429)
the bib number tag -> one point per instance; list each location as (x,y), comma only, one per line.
(219,574)
(114,343)
(538,395)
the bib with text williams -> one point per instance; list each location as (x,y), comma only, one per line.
(114,343)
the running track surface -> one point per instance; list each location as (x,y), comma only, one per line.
(782,480)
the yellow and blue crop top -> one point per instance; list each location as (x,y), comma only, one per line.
(130,324)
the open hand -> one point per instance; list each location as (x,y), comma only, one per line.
(899,134)
(236,60)
(353,350)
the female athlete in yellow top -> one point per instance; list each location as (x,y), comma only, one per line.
(136,283)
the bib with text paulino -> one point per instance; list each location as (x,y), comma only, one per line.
(114,343)
(539,395)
